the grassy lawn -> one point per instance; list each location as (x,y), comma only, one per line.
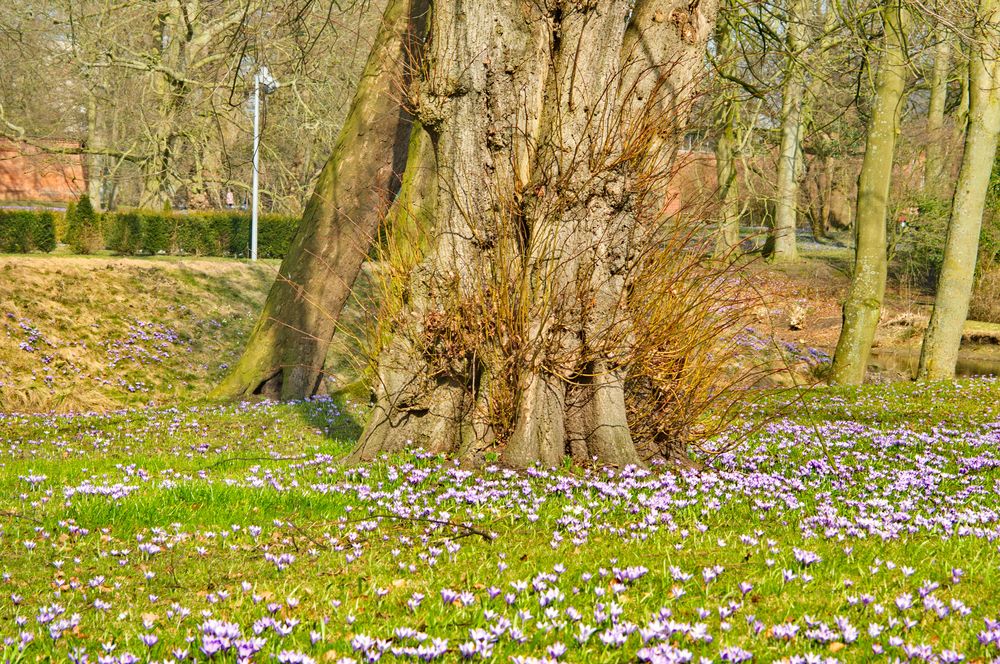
(847,525)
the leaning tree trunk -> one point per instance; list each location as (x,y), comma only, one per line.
(544,162)
(786,202)
(864,300)
(951,302)
(287,349)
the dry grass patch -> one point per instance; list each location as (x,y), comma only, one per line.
(97,333)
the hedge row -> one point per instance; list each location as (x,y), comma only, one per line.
(197,233)
(27,230)
(145,232)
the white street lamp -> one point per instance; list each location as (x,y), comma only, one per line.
(261,80)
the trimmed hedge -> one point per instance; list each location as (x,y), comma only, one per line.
(198,233)
(147,232)
(22,231)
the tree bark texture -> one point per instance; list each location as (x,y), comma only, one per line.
(542,158)
(788,172)
(287,349)
(863,306)
(939,354)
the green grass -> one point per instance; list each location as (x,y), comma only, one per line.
(203,475)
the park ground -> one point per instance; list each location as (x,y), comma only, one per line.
(141,523)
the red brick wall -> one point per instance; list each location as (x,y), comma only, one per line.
(30,174)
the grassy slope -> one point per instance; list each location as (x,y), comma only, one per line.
(94,333)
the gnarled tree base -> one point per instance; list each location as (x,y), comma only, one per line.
(549,125)
(583,420)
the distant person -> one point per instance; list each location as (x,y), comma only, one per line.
(230,199)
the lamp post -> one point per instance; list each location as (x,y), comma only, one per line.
(262,80)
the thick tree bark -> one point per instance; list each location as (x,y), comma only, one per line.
(786,203)
(287,349)
(508,337)
(935,172)
(954,289)
(864,301)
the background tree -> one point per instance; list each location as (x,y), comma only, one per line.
(184,133)
(939,354)
(935,166)
(84,228)
(789,162)
(726,99)
(864,300)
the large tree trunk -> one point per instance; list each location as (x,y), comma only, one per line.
(935,171)
(543,158)
(786,203)
(863,306)
(951,302)
(287,349)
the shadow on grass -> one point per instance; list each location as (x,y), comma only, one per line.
(244,288)
(339,417)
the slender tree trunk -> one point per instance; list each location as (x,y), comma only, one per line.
(536,118)
(954,289)
(726,150)
(94,162)
(170,36)
(825,189)
(824,161)
(935,171)
(864,301)
(962,109)
(792,96)
(814,188)
(287,349)
(725,167)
